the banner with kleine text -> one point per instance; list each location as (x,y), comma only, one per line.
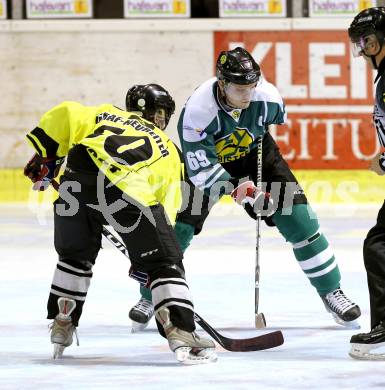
(328,95)
(3,9)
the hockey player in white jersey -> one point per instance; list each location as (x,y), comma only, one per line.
(367,32)
(218,130)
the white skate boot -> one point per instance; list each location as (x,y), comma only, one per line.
(62,329)
(141,314)
(189,348)
(343,310)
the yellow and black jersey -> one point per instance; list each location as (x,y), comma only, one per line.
(133,153)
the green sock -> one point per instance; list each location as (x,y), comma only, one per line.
(146,293)
(184,234)
(310,247)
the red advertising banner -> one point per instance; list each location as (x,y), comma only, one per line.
(328,95)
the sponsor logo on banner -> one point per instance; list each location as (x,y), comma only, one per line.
(156,8)
(338,8)
(3,9)
(328,95)
(59,9)
(252,8)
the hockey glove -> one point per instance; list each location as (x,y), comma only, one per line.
(42,171)
(253,200)
(378,164)
(140,277)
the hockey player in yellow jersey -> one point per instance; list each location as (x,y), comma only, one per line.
(122,170)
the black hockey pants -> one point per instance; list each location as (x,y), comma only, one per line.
(150,240)
(374,259)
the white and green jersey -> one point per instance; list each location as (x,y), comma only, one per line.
(211,136)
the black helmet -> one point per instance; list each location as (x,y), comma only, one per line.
(237,66)
(147,99)
(368,21)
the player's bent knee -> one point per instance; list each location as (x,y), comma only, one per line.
(153,243)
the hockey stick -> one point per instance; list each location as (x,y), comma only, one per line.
(258,343)
(260,321)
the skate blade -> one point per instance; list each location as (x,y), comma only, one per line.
(137,327)
(185,356)
(364,351)
(58,350)
(347,324)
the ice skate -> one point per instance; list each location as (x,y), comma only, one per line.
(188,347)
(62,329)
(343,310)
(363,344)
(141,314)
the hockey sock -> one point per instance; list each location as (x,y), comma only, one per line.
(145,292)
(184,234)
(300,227)
(170,290)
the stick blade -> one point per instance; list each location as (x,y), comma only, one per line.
(260,321)
(258,343)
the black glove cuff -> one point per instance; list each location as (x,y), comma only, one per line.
(381,161)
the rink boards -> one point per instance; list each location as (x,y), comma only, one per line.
(321,186)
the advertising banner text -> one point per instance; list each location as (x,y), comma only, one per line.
(252,8)
(3,9)
(328,95)
(157,8)
(338,8)
(44,9)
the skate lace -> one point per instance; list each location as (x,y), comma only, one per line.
(144,306)
(339,301)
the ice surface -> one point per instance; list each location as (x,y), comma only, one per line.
(220,271)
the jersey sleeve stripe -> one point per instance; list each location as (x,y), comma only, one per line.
(215,178)
(37,145)
(203,176)
(48,145)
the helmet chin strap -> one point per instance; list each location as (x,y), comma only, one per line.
(373,57)
(222,98)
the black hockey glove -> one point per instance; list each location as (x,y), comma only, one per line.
(42,171)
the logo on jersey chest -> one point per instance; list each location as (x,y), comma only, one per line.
(234,145)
